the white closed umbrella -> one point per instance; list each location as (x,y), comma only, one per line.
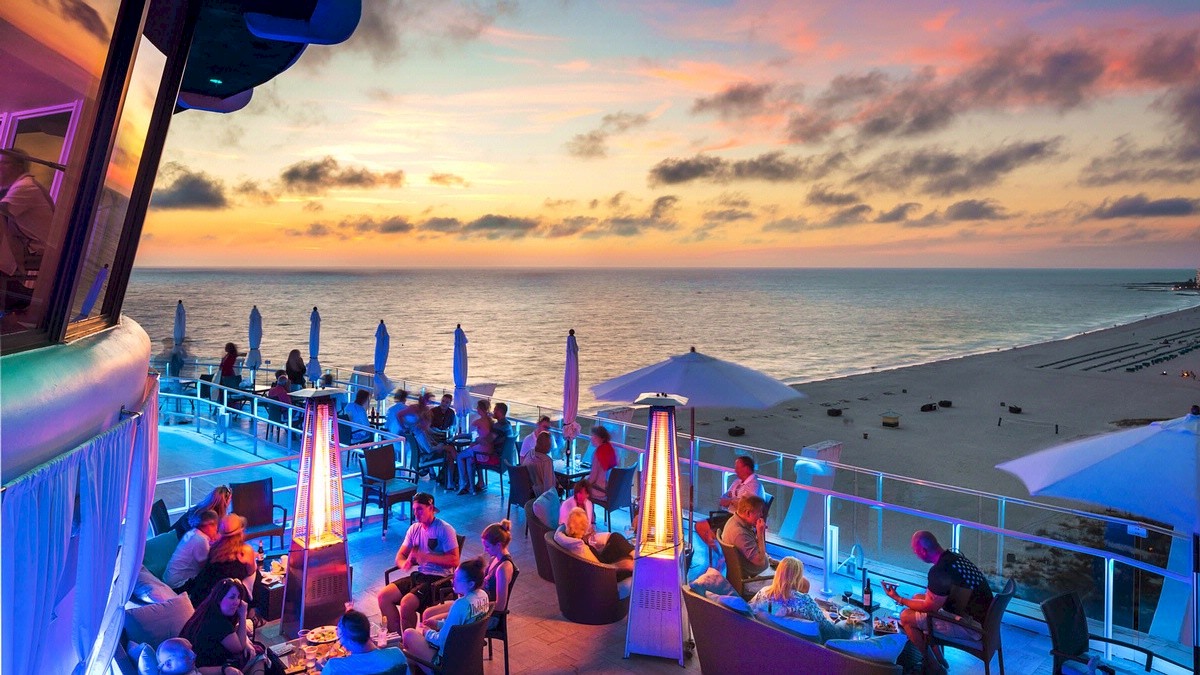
(383,344)
(462,395)
(313,370)
(570,427)
(1152,471)
(254,357)
(179,332)
(707,382)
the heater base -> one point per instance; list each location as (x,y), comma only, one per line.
(657,620)
(317,588)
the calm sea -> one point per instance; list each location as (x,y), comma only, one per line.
(797,325)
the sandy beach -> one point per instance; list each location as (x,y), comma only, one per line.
(1080,384)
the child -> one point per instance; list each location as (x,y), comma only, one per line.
(427,641)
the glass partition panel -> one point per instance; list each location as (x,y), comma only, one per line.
(54,56)
(109,219)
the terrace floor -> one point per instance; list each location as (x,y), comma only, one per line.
(542,641)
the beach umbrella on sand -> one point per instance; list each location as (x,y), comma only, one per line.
(1152,471)
(254,357)
(707,382)
(383,344)
(180,330)
(571,391)
(462,396)
(313,370)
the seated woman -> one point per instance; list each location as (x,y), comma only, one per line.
(496,578)
(603,459)
(427,643)
(788,596)
(578,536)
(217,500)
(541,466)
(229,557)
(482,446)
(219,635)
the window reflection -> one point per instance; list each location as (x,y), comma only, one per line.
(53,55)
(109,220)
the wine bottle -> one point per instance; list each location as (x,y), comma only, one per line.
(867,593)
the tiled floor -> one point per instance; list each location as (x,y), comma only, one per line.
(542,641)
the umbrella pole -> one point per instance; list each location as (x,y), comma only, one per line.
(691,484)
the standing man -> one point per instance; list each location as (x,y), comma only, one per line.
(431,546)
(26,215)
(746,532)
(192,553)
(745,485)
(950,569)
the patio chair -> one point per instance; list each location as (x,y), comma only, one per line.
(279,416)
(422,458)
(255,501)
(984,641)
(160,520)
(619,494)
(463,653)
(381,485)
(520,489)
(588,591)
(733,571)
(500,630)
(1070,640)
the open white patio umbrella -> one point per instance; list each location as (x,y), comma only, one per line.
(570,427)
(462,395)
(383,344)
(313,370)
(707,382)
(1152,471)
(254,357)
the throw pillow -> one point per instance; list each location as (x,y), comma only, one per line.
(712,581)
(809,630)
(735,602)
(152,624)
(149,588)
(147,661)
(546,507)
(158,552)
(883,649)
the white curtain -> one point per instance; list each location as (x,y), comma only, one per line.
(143,475)
(38,511)
(103,486)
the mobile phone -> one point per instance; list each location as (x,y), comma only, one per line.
(888,585)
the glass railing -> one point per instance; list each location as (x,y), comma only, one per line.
(1133,576)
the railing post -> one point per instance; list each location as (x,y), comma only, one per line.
(879,512)
(1109,569)
(187,492)
(1001,508)
(956,536)
(254,422)
(830,546)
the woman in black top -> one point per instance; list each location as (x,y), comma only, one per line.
(295,369)
(218,633)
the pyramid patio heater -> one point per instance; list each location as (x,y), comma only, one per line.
(657,626)
(318,571)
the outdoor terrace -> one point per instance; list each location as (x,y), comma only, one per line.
(542,641)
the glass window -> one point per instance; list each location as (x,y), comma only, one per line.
(53,56)
(109,219)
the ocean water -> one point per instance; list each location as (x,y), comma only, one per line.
(797,325)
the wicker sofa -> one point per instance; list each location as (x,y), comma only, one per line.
(588,592)
(730,642)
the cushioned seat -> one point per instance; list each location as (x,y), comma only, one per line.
(588,592)
(538,529)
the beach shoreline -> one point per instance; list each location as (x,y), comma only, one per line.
(1060,386)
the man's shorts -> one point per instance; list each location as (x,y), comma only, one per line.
(947,629)
(424,586)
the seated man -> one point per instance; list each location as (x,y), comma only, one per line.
(541,467)
(580,499)
(443,420)
(357,412)
(746,532)
(354,633)
(502,431)
(430,545)
(744,485)
(175,657)
(543,427)
(192,553)
(950,569)
(281,390)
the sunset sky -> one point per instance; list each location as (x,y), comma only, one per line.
(816,133)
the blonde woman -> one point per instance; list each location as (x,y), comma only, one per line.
(787,596)
(229,557)
(578,536)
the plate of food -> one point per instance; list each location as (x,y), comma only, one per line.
(322,635)
(886,626)
(853,614)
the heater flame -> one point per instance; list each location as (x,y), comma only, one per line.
(319,504)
